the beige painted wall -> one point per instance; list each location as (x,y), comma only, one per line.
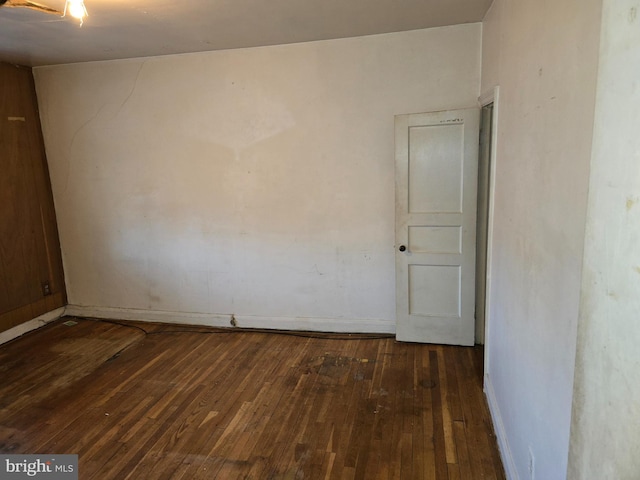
(605,433)
(544,57)
(492,41)
(258,182)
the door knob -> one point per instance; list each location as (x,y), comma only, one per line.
(402,248)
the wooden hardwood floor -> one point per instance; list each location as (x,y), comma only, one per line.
(176,403)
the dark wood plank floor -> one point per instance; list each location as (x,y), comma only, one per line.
(185,404)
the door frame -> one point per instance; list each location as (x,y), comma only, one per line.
(491,96)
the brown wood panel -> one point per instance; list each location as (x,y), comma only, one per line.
(32,310)
(29,246)
(186,402)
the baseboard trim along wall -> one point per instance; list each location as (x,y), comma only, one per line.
(140,315)
(337,325)
(501,434)
(32,324)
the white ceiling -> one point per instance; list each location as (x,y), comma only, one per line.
(140,28)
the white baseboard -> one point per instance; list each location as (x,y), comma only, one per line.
(139,315)
(33,324)
(338,325)
(501,434)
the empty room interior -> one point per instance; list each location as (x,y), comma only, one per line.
(321,239)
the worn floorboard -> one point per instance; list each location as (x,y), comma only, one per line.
(149,401)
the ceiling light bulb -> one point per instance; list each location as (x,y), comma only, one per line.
(76,9)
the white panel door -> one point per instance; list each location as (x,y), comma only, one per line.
(436,185)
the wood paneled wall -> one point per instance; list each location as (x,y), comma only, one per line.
(31,275)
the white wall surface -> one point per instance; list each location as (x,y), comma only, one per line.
(545,62)
(258,182)
(491,47)
(605,433)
